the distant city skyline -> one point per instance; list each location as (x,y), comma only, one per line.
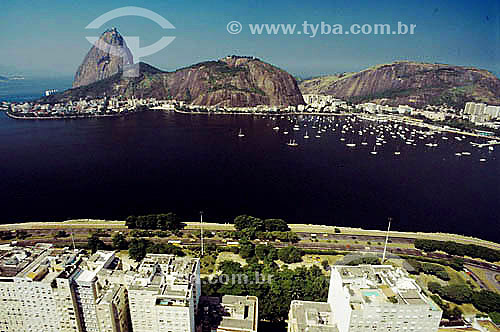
(48,37)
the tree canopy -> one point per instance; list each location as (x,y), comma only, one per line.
(168,221)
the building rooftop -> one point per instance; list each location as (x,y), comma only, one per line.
(380,284)
(40,263)
(171,277)
(14,259)
(308,316)
(231,313)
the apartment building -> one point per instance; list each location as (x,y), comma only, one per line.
(112,309)
(35,289)
(380,298)
(164,294)
(87,290)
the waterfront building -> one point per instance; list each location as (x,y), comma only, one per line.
(480,112)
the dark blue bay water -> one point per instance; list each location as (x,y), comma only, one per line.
(31,88)
(158,162)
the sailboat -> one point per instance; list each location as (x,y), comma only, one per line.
(306,135)
(351,144)
(292,143)
(374,152)
(240,134)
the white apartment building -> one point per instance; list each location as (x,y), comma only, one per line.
(164,294)
(35,292)
(480,112)
(112,309)
(87,291)
(380,298)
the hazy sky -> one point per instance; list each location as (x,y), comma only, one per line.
(49,36)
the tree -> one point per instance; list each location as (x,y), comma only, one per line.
(261,251)
(290,254)
(245,221)
(495,317)
(457,293)
(95,243)
(137,248)
(434,287)
(278,225)
(247,249)
(486,301)
(168,221)
(119,241)
(131,222)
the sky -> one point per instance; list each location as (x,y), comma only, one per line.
(48,37)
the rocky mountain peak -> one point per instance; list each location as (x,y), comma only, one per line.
(107,57)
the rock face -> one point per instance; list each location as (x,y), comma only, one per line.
(107,57)
(232,81)
(416,84)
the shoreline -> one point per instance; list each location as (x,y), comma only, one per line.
(71,117)
(388,117)
(298,228)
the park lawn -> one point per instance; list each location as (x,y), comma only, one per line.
(229,256)
(469,310)
(426,278)
(311,260)
(455,277)
(208,263)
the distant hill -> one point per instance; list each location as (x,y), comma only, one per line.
(412,83)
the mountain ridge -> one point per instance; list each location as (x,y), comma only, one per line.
(233,81)
(410,82)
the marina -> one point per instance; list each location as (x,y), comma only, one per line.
(369,135)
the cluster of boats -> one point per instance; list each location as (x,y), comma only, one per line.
(355,132)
